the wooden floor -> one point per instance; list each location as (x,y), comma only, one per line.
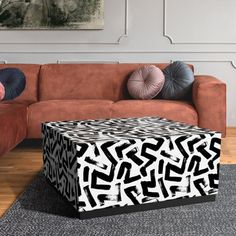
(19,167)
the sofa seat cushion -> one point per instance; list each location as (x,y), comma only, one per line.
(56,110)
(174,110)
(23,102)
(13,118)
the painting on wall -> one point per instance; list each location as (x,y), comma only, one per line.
(51,14)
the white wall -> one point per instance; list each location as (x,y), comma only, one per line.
(201,32)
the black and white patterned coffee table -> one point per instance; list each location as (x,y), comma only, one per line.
(111,166)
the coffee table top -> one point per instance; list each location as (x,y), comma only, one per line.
(90,131)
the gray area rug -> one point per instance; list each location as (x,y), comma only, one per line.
(41,211)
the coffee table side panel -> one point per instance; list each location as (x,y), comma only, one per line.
(60,163)
(117,174)
(213,164)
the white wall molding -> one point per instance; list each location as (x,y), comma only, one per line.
(3,62)
(126,33)
(164,23)
(173,41)
(121,52)
(232,63)
(116,42)
(86,62)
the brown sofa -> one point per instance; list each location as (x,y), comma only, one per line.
(93,91)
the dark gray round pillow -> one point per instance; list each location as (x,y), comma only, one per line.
(13,81)
(178,81)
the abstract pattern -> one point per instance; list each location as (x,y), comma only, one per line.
(100,164)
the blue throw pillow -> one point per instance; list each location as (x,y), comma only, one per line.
(178,81)
(13,80)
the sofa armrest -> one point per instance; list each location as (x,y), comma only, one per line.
(13,126)
(209,98)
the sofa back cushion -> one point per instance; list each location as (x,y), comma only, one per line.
(86,81)
(31,72)
(76,81)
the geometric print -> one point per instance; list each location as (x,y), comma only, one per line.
(99,164)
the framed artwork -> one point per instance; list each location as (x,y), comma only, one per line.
(52,14)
